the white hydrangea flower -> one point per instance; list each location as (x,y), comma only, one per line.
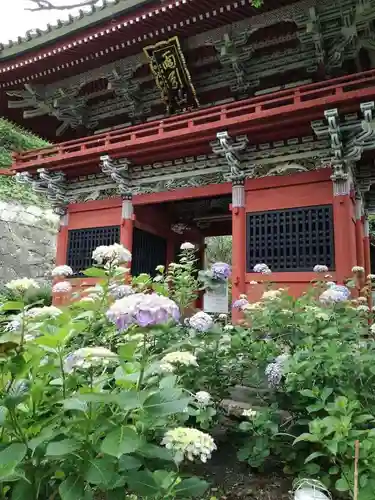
(272,294)
(254,306)
(180,358)
(223,317)
(362,300)
(22,285)
(112,254)
(201,321)
(203,397)
(371,277)
(372,328)
(362,308)
(62,287)
(166,367)
(187,246)
(62,272)
(251,414)
(253,283)
(228,328)
(185,442)
(43,312)
(358,269)
(320,269)
(86,357)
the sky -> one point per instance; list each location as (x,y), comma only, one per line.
(15,20)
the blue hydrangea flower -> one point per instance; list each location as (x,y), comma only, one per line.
(201,321)
(240,304)
(220,271)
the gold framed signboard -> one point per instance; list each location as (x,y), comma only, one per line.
(168,65)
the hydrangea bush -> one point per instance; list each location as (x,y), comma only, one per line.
(113,393)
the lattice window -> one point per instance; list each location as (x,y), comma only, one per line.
(149,251)
(82,242)
(291,240)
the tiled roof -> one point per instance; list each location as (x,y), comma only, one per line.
(35,38)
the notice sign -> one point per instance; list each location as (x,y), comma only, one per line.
(216,300)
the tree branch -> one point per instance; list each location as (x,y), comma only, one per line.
(47,5)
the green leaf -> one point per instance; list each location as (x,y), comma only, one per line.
(75,404)
(120,441)
(46,434)
(314,455)
(12,306)
(332,446)
(143,483)
(326,392)
(306,437)
(21,490)
(342,484)
(64,447)
(190,488)
(308,393)
(127,462)
(149,450)
(166,402)
(130,400)
(73,488)
(126,351)
(312,469)
(3,415)
(95,272)
(101,471)
(10,457)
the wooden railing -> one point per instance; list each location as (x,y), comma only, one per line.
(258,113)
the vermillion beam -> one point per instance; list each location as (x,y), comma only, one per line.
(253,115)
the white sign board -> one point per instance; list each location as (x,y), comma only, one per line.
(216,301)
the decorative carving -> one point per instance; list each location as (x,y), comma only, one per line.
(51,184)
(179,227)
(349,139)
(118,172)
(233,52)
(231,150)
(63,104)
(166,184)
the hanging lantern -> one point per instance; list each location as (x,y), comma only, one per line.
(309,489)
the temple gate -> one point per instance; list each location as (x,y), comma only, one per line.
(191,119)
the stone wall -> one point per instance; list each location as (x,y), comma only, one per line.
(27,242)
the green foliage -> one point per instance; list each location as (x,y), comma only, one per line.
(325,387)
(219,249)
(15,139)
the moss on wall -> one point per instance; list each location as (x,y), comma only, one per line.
(14,139)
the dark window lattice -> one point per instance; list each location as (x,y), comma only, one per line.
(149,251)
(291,240)
(82,242)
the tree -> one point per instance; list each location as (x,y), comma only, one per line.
(219,249)
(38,5)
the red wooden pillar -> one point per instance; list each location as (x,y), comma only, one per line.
(359,236)
(366,245)
(127,223)
(238,243)
(344,228)
(61,255)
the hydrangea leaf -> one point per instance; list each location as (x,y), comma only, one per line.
(121,441)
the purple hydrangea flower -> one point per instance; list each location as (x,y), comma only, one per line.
(335,294)
(220,270)
(143,310)
(240,304)
(262,269)
(275,371)
(201,321)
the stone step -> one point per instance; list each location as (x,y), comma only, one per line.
(252,395)
(233,408)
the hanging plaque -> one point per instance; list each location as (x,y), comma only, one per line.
(167,63)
